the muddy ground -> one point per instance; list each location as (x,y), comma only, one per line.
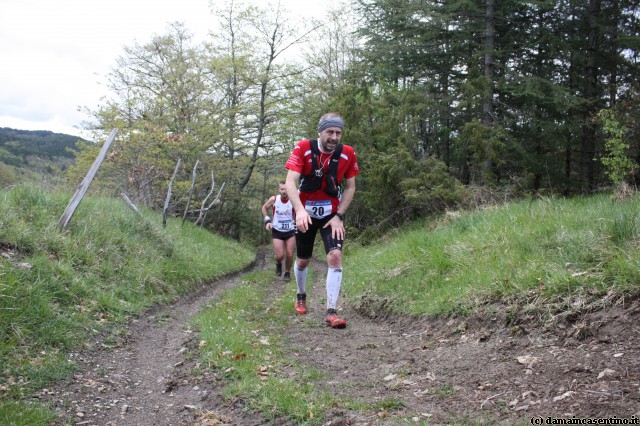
(485,369)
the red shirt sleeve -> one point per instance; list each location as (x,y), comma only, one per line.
(352,168)
(296,159)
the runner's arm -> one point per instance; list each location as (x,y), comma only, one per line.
(337,227)
(303,220)
(265,210)
(347,194)
(268,205)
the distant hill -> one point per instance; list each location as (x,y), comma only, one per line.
(25,153)
(37,142)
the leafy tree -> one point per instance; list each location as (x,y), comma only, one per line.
(537,71)
(618,164)
(158,108)
(486,92)
(253,87)
(224,104)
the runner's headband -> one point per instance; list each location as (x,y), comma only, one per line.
(325,123)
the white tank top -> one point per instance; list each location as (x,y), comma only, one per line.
(282,215)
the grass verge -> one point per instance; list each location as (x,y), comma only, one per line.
(58,288)
(242,335)
(536,251)
(547,249)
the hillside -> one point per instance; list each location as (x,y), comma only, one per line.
(486,317)
(60,291)
(27,155)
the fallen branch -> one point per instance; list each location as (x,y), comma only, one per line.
(130,204)
(490,398)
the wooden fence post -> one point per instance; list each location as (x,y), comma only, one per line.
(166,202)
(193,184)
(84,185)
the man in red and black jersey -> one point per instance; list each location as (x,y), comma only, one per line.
(320,165)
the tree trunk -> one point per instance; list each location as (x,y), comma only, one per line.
(588,134)
(489,65)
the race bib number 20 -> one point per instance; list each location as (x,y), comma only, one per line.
(318,208)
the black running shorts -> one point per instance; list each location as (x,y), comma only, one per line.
(279,235)
(305,240)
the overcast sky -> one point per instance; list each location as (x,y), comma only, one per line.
(55,54)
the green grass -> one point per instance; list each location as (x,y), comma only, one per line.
(548,248)
(242,337)
(57,288)
(15,413)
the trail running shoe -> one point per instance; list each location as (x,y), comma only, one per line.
(333,320)
(301,304)
(278,268)
(287,276)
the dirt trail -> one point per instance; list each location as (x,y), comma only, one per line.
(475,370)
(403,370)
(147,379)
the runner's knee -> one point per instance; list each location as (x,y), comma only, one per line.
(334,259)
(302,263)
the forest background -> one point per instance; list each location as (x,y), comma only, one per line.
(449,105)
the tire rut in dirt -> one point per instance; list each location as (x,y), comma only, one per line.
(441,369)
(150,377)
(434,370)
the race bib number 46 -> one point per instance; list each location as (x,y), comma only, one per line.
(318,208)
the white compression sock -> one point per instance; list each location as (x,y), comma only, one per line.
(301,278)
(334,279)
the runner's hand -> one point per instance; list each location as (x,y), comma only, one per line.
(268,226)
(337,228)
(303,220)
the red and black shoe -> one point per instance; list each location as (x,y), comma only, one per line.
(301,304)
(333,320)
